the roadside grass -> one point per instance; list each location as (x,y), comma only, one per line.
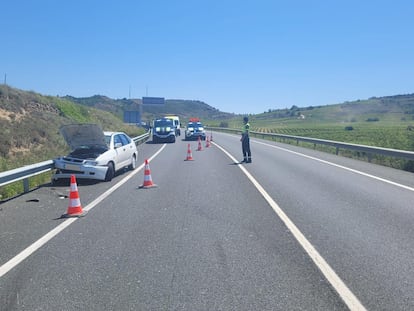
(16,188)
(393,137)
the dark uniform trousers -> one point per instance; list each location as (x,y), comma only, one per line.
(247,156)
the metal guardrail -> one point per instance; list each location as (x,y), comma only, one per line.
(23,173)
(408,155)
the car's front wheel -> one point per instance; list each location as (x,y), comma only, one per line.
(133,164)
(110,173)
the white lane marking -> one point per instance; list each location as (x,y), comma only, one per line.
(343,291)
(54,232)
(339,166)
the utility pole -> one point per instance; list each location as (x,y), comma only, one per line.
(5,89)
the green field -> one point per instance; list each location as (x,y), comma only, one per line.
(383,122)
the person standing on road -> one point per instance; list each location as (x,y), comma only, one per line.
(247,156)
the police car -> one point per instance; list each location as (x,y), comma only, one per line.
(195,130)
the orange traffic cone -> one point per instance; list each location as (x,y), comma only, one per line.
(189,154)
(147,177)
(207,142)
(75,207)
(200,148)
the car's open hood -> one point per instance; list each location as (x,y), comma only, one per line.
(77,135)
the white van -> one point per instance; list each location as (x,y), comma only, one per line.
(177,124)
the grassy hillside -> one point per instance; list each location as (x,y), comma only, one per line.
(389,110)
(30,125)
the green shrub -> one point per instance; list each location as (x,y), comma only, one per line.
(224,124)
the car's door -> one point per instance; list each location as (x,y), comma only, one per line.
(123,150)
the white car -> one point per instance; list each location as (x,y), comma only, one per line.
(95,154)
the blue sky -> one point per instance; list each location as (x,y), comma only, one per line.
(237,56)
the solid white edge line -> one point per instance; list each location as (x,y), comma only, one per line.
(34,247)
(16,260)
(343,291)
(339,166)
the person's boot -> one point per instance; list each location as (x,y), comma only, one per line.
(249,160)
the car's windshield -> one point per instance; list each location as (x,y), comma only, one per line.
(195,125)
(163,123)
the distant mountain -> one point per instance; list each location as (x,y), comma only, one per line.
(388,109)
(183,108)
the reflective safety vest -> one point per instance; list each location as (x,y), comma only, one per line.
(246,129)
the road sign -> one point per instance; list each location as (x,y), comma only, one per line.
(132,117)
(153,101)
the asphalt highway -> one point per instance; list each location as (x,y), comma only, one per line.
(296,229)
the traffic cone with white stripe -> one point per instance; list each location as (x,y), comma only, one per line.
(189,154)
(147,177)
(75,207)
(207,142)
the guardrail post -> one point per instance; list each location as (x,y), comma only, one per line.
(337,151)
(26,185)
